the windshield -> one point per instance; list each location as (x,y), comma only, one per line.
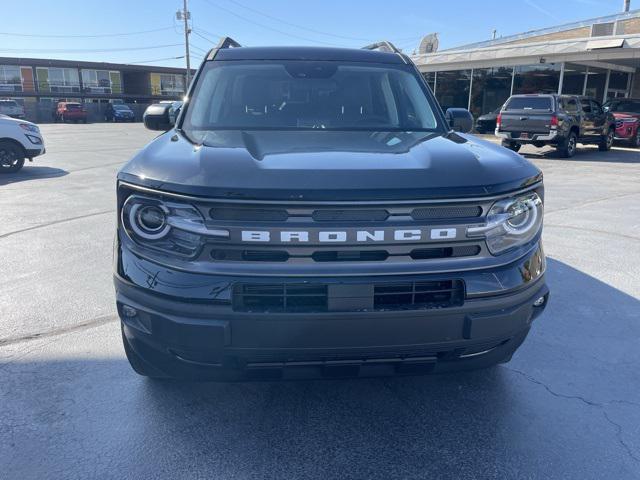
(624,106)
(303,95)
(121,107)
(8,103)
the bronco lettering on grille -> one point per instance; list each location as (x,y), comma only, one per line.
(344,236)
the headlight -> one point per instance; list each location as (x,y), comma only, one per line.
(29,128)
(170,227)
(511,222)
(33,139)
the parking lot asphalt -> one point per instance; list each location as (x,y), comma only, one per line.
(567,406)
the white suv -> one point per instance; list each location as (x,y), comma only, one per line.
(19,139)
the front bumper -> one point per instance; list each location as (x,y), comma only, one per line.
(627,132)
(183,335)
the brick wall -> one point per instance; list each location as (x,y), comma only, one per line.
(567,34)
(631,26)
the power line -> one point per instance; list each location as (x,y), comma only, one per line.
(201,36)
(285,22)
(84,50)
(211,34)
(102,35)
(156,60)
(231,12)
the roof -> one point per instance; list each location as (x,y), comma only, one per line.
(545,31)
(307,53)
(44,62)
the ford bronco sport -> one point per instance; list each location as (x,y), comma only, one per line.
(314,213)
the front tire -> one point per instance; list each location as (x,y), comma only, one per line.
(606,142)
(567,149)
(11,157)
(635,142)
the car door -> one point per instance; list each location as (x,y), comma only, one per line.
(599,118)
(588,127)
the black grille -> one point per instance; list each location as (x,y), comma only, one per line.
(418,295)
(280,298)
(248,214)
(350,215)
(445,252)
(231,255)
(310,298)
(446,211)
(351,256)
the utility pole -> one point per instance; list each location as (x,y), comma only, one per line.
(185,15)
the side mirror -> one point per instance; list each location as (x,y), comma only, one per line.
(156,117)
(459,119)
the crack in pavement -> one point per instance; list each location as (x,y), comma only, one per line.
(593,230)
(612,197)
(589,403)
(55,222)
(95,322)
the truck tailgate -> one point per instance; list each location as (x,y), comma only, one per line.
(529,121)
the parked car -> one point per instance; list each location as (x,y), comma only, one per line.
(11,108)
(318,215)
(19,140)
(70,112)
(487,123)
(119,113)
(627,114)
(559,120)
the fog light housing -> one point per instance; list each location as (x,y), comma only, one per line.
(539,302)
(129,312)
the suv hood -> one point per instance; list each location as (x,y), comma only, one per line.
(329,165)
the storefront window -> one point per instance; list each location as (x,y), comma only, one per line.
(618,83)
(452,89)
(573,80)
(542,78)
(430,78)
(490,89)
(596,82)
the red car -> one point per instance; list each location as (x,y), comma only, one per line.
(627,113)
(70,111)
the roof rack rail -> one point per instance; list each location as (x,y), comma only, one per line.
(225,42)
(383,46)
(386,46)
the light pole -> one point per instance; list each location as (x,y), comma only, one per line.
(185,15)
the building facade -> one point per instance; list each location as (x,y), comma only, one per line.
(597,57)
(39,84)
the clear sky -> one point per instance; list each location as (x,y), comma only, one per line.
(82,29)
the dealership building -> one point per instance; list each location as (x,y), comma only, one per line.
(599,58)
(39,84)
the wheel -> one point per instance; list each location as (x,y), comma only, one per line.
(635,142)
(567,148)
(512,145)
(138,364)
(606,142)
(11,157)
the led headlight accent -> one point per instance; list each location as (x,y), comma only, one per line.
(510,222)
(149,221)
(171,227)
